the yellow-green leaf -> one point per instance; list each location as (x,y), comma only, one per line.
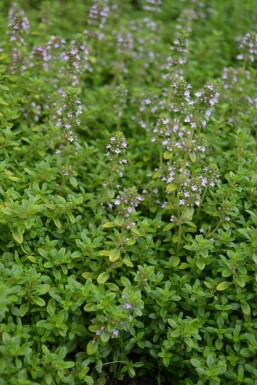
(18,236)
(223,285)
(57,223)
(127,262)
(174,261)
(168,226)
(105,336)
(14,178)
(114,255)
(171,187)
(167,155)
(103,277)
(3,56)
(92,347)
(192,156)
(86,274)
(157,174)
(119,221)
(104,253)
(3,103)
(32,258)
(108,225)
(246,309)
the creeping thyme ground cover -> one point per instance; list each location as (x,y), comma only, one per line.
(128,222)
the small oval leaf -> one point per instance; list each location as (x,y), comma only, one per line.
(223,285)
(103,277)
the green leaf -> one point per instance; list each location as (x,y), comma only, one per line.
(111,193)
(174,261)
(18,235)
(188,213)
(240,280)
(171,187)
(90,307)
(3,56)
(48,378)
(104,253)
(32,258)
(103,277)
(167,155)
(127,262)
(223,286)
(200,264)
(114,255)
(105,337)
(73,181)
(119,221)
(246,309)
(157,174)
(86,275)
(192,156)
(3,103)
(57,223)
(108,225)
(168,226)
(125,281)
(226,273)
(131,241)
(51,307)
(39,301)
(23,309)
(42,289)
(92,347)
(113,286)
(195,362)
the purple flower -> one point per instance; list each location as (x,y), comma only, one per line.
(115,333)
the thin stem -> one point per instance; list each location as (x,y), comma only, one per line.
(202,200)
(114,362)
(216,228)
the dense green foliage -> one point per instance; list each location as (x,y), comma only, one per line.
(128,192)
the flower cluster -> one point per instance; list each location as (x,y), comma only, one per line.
(34,111)
(98,13)
(175,137)
(55,47)
(120,99)
(125,43)
(207,97)
(127,201)
(18,25)
(152,5)
(183,147)
(97,17)
(116,148)
(145,37)
(181,96)
(114,325)
(173,69)
(189,187)
(67,116)
(229,77)
(39,56)
(148,106)
(192,187)
(75,61)
(185,20)
(248,47)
